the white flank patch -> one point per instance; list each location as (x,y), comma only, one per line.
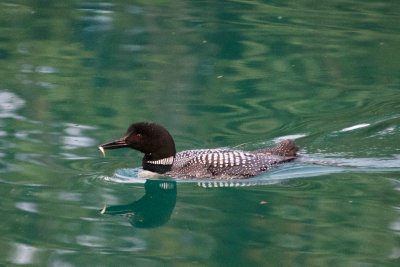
(148,174)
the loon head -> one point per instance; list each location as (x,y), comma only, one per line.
(151,139)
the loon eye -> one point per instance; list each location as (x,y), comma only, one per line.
(134,137)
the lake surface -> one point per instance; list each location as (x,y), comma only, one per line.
(216,74)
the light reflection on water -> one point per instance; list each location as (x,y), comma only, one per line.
(241,76)
(10,103)
(71,138)
(23,254)
(305,168)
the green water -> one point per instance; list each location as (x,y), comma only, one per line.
(216,74)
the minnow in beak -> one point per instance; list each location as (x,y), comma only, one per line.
(120,143)
(102,151)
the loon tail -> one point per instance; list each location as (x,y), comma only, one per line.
(285,148)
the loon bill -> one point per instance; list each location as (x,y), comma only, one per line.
(160,155)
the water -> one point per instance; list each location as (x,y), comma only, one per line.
(233,74)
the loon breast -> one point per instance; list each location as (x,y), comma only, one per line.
(221,163)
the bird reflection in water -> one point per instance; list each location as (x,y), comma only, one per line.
(153,209)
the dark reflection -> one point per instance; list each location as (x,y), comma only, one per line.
(153,209)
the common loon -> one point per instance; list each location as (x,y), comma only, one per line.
(160,155)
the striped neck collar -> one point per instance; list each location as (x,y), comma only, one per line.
(159,166)
(165,161)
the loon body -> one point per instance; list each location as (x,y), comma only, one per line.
(160,155)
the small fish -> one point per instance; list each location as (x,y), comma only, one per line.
(102,151)
(103,210)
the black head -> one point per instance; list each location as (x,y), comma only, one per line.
(149,138)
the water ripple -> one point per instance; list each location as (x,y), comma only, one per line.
(304,168)
(10,103)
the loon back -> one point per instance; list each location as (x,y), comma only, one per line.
(160,155)
(230,164)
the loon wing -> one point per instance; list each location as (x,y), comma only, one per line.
(223,163)
(252,166)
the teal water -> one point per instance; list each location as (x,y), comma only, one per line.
(216,74)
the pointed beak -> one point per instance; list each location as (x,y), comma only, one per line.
(120,143)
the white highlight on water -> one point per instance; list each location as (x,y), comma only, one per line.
(357,126)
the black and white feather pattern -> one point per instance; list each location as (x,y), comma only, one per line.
(222,163)
(165,161)
(160,155)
